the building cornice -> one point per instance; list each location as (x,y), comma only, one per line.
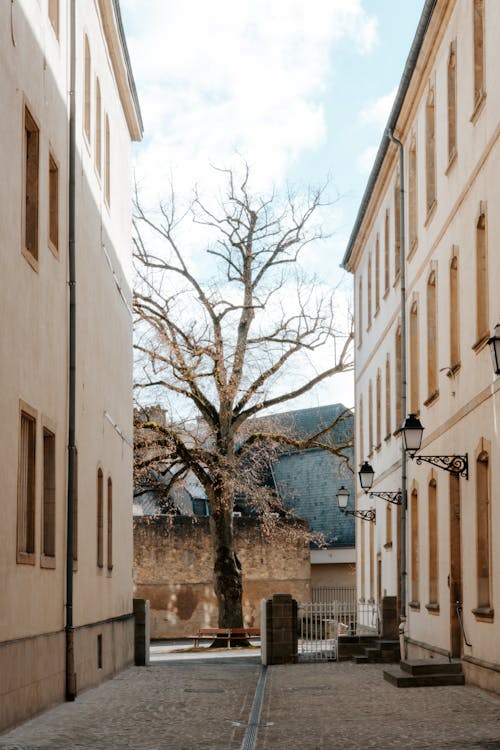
(122,69)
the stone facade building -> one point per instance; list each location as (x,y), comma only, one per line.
(70,112)
(447,117)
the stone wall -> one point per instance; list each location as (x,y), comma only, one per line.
(173,569)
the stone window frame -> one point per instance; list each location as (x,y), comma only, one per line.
(452,103)
(433,538)
(31,187)
(414,356)
(454,319)
(49,495)
(26,485)
(430,154)
(100,518)
(87,90)
(484,610)
(432,337)
(481,268)
(479,68)
(415,547)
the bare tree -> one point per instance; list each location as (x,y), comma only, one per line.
(221,331)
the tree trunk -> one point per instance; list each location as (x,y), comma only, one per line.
(227,572)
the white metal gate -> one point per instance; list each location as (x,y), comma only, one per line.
(332,613)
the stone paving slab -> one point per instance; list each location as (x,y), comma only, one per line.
(186,705)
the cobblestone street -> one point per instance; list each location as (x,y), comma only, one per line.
(206,703)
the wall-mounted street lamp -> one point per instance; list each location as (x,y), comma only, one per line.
(366,475)
(412,440)
(494,343)
(343,497)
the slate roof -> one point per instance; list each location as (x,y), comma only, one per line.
(308,481)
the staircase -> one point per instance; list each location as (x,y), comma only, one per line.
(367,649)
(425,673)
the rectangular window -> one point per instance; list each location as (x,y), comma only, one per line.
(100,520)
(87,93)
(110,524)
(31,178)
(107,146)
(98,134)
(54,15)
(26,489)
(75,513)
(415,552)
(49,494)
(53,203)
(433,547)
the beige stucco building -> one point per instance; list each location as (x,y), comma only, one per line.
(65,194)
(447,117)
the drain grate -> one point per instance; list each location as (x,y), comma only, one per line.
(204,690)
(310,689)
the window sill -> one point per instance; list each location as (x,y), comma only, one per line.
(53,249)
(481,342)
(452,371)
(478,106)
(452,161)
(386,292)
(377,310)
(388,545)
(30,258)
(484,614)
(430,213)
(26,558)
(431,399)
(413,247)
(378,447)
(47,561)
(432,608)
(387,437)
(397,279)
(414,605)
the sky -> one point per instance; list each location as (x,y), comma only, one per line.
(301,90)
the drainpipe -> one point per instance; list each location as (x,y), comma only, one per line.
(70,650)
(404,493)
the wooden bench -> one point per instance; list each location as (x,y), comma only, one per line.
(226,634)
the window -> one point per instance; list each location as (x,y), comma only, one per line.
(387,397)
(482,302)
(371,533)
(432,339)
(483,526)
(54,15)
(387,272)
(378,398)
(361,441)
(398,376)
(430,151)
(415,552)
(108,163)
(87,92)
(377,275)
(362,591)
(100,519)
(75,513)
(414,360)
(397,230)
(110,524)
(26,487)
(98,133)
(31,178)
(53,203)
(412,194)
(478,30)
(452,101)
(49,494)
(388,525)
(360,312)
(433,546)
(454,313)
(370,418)
(369,306)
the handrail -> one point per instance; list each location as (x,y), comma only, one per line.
(459,615)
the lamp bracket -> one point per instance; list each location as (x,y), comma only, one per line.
(391,497)
(454,464)
(365,515)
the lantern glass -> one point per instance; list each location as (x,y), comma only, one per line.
(342,497)
(412,433)
(494,343)
(366,475)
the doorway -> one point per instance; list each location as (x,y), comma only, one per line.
(455,577)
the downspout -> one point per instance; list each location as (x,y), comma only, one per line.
(404,481)
(70,648)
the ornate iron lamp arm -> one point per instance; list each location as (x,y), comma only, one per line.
(365,515)
(391,497)
(454,464)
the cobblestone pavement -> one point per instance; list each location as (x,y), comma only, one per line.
(206,703)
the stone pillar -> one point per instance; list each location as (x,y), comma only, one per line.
(280,630)
(390,619)
(141,615)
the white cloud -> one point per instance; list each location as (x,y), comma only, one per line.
(224,77)
(377,111)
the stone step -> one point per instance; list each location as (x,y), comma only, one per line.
(360,659)
(431,666)
(401,679)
